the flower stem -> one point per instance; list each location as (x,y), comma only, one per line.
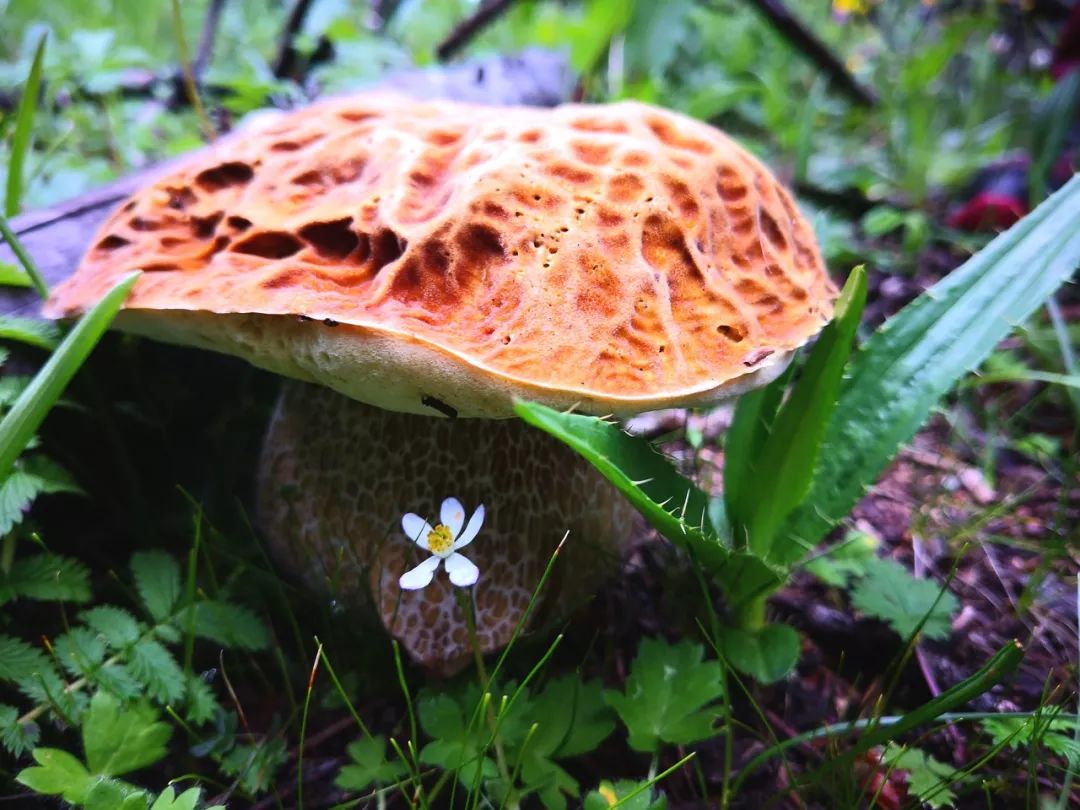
(466,606)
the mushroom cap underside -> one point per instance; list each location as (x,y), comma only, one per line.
(438,257)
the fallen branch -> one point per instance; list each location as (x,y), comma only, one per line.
(468,28)
(284,63)
(805,40)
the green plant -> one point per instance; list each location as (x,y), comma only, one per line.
(816,451)
(116,741)
(668,696)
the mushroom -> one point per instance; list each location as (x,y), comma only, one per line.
(433,261)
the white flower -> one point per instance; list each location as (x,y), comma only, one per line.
(443,542)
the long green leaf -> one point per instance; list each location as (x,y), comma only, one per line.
(755,412)
(20,139)
(670,502)
(920,353)
(35,402)
(789,456)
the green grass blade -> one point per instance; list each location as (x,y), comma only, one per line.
(20,139)
(30,409)
(788,458)
(879,730)
(36,279)
(920,353)
(1025,375)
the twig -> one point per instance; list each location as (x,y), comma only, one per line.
(470,27)
(382,11)
(959,745)
(189,76)
(796,33)
(205,51)
(285,61)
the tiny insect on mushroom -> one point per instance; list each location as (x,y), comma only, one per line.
(433,261)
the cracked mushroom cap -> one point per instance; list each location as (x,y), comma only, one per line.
(436,257)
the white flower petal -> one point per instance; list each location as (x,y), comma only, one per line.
(420,576)
(475,522)
(452,516)
(416,529)
(461,570)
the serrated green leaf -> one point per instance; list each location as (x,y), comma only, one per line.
(369,765)
(80,651)
(57,773)
(255,765)
(118,627)
(46,686)
(17,738)
(156,667)
(33,477)
(117,679)
(1055,733)
(17,493)
(847,560)
(46,577)
(784,469)
(458,743)
(120,739)
(11,386)
(766,654)
(889,592)
(54,478)
(567,718)
(188,800)
(42,334)
(157,579)
(574,718)
(228,624)
(19,661)
(928,779)
(668,696)
(202,705)
(670,502)
(105,793)
(898,376)
(21,422)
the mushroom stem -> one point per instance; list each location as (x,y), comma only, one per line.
(337,475)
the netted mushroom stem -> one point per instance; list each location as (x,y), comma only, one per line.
(337,475)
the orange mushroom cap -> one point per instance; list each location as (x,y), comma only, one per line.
(619,257)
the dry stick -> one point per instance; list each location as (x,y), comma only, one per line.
(285,60)
(797,34)
(189,76)
(468,28)
(382,12)
(205,52)
(959,746)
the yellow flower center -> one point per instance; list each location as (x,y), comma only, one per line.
(440,540)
